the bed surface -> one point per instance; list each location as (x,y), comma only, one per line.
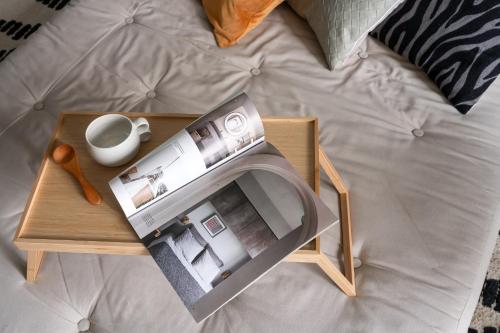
(424,179)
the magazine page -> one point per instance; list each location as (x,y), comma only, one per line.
(230,226)
(208,142)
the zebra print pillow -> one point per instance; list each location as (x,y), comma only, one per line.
(455,42)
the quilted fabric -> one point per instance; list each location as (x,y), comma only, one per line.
(340,25)
(455,42)
(424,180)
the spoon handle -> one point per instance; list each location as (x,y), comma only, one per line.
(90,192)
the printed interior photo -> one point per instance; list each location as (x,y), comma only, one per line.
(220,133)
(144,184)
(206,244)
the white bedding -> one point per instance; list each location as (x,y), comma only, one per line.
(424,208)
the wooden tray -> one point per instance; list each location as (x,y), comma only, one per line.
(58,218)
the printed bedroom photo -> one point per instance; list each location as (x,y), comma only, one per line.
(209,242)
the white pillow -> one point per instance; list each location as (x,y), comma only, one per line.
(188,245)
(206,267)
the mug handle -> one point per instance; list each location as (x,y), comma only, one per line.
(142,126)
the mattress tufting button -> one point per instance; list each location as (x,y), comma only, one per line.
(356,262)
(129,20)
(255,71)
(38,106)
(83,325)
(151,94)
(362,54)
(418,132)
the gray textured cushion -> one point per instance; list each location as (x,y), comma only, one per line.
(340,25)
(189,245)
(199,238)
(204,243)
(206,267)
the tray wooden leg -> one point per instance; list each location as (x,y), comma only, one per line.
(34,261)
(345,281)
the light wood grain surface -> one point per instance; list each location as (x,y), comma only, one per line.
(58,218)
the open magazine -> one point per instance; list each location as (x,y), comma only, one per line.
(217,206)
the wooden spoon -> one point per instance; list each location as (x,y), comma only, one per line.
(65,156)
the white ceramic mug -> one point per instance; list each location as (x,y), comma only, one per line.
(114,139)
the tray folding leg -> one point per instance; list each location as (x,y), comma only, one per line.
(345,281)
(34,261)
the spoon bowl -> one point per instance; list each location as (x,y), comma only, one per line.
(63,153)
(65,156)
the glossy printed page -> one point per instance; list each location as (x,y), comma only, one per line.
(229,227)
(210,141)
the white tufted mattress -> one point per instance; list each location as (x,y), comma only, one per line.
(424,207)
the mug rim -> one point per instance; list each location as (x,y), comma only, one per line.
(107,116)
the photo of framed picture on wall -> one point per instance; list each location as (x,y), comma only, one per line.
(214,225)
